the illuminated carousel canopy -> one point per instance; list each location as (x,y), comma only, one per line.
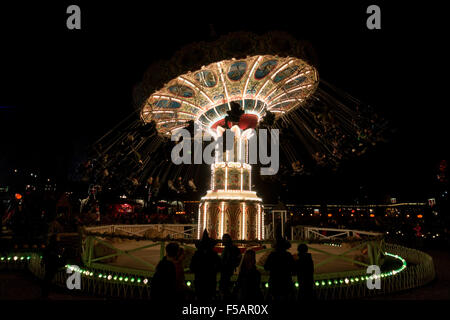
(258,83)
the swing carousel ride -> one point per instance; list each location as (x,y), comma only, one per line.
(265,81)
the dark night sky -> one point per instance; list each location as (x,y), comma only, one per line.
(61,89)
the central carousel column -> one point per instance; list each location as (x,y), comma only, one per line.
(230,206)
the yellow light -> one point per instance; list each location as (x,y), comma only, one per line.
(243,221)
(204,216)
(419,216)
(258,225)
(199,222)
(262,225)
(222,215)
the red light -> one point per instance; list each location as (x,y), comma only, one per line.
(353,211)
(372,215)
(419,216)
(18,196)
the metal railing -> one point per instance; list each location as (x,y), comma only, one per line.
(420,271)
(115,281)
(174,231)
(308,232)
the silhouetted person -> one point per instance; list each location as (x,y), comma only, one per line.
(249,280)
(280,264)
(231,257)
(205,264)
(304,267)
(163,286)
(52,260)
(183,291)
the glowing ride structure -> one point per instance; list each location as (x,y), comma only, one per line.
(258,84)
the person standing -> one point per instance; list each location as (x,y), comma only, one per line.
(248,286)
(280,265)
(163,285)
(205,265)
(182,290)
(231,258)
(304,267)
(52,261)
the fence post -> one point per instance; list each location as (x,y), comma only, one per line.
(161,250)
(88,250)
(373,251)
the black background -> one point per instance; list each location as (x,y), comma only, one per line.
(61,89)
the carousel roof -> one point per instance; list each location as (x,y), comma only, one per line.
(257,83)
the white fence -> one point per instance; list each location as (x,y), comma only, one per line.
(319,233)
(173,231)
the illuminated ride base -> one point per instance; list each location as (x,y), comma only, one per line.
(258,84)
(231,206)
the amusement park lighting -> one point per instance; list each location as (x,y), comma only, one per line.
(325,282)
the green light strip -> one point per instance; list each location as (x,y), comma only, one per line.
(134,279)
(353,280)
(15,258)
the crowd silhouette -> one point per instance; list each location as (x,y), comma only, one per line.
(168,283)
